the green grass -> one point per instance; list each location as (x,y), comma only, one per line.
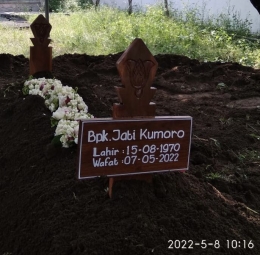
(249,156)
(108,30)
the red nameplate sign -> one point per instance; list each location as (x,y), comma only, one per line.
(109,147)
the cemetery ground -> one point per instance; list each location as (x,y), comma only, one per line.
(46,210)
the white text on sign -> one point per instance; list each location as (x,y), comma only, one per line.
(131,135)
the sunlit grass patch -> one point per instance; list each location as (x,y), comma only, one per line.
(107,30)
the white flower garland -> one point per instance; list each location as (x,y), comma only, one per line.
(66,105)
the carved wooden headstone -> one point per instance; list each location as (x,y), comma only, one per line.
(134,143)
(40,52)
(137,68)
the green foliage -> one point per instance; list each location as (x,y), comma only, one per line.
(25,90)
(54,122)
(56,141)
(249,156)
(106,30)
(54,5)
(69,5)
(213,176)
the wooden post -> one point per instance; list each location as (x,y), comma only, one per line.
(137,68)
(40,52)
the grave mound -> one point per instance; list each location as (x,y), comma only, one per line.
(46,210)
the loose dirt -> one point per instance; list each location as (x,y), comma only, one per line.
(46,210)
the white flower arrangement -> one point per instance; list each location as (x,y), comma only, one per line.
(66,105)
(68,132)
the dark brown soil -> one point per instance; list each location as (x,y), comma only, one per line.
(46,210)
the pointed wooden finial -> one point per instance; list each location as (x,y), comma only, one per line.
(137,68)
(41,30)
(40,52)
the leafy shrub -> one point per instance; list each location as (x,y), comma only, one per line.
(55,5)
(69,5)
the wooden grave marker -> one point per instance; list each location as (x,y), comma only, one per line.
(134,143)
(40,52)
